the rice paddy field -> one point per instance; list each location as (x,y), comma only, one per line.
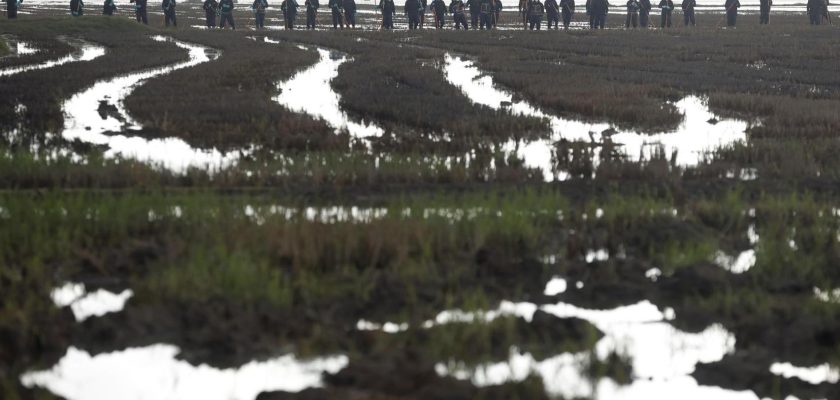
(190,213)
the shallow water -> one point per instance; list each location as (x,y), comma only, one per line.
(691,140)
(154,373)
(85,305)
(310,92)
(85,51)
(18,47)
(83,121)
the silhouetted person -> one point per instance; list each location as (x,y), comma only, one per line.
(552,14)
(168,7)
(11,8)
(764,11)
(567,8)
(536,10)
(311,7)
(226,12)
(732,11)
(600,9)
(474,8)
(817,10)
(337,13)
(77,8)
(487,13)
(667,7)
(412,13)
(389,10)
(423,6)
(109,7)
(350,13)
(456,7)
(259,7)
(590,14)
(439,12)
(210,8)
(644,13)
(497,11)
(687,7)
(633,7)
(289,9)
(523,11)
(140,11)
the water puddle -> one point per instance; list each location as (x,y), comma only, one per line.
(85,305)
(154,373)
(85,51)
(18,47)
(699,132)
(824,373)
(92,113)
(310,92)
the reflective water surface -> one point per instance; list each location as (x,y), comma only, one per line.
(85,51)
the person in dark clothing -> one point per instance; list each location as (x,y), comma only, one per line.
(389,10)
(667,7)
(411,11)
(567,8)
(764,11)
(536,10)
(259,7)
(168,7)
(644,13)
(311,7)
(456,7)
(77,8)
(210,8)
(732,12)
(140,11)
(289,9)
(226,11)
(687,7)
(814,9)
(633,8)
(497,11)
(590,14)
(523,11)
(11,8)
(600,9)
(337,13)
(109,7)
(423,6)
(487,9)
(349,13)
(439,12)
(552,12)
(474,8)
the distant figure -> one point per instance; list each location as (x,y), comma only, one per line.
(474,8)
(311,7)
(687,7)
(633,7)
(211,7)
(109,7)
(412,13)
(423,6)
(456,8)
(289,8)
(536,10)
(350,13)
(764,8)
(77,8)
(732,12)
(226,11)
(567,8)
(644,13)
(140,11)
(552,13)
(667,7)
(12,8)
(337,12)
(168,7)
(389,10)
(600,8)
(523,11)
(488,13)
(590,14)
(439,11)
(259,7)
(817,10)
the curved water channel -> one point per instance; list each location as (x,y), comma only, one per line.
(698,133)
(85,51)
(83,121)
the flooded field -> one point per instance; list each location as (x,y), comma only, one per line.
(359,214)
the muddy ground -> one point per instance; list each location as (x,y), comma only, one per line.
(312,230)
